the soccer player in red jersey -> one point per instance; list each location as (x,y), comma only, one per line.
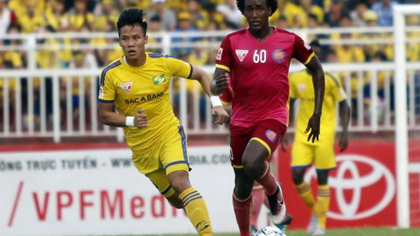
(257,60)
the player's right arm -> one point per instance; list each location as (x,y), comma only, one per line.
(223,65)
(107,115)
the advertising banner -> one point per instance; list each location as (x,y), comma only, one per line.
(363,186)
(98,192)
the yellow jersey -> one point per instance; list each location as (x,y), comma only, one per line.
(146,87)
(301,87)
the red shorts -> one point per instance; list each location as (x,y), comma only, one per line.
(268,132)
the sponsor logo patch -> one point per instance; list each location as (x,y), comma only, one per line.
(160,79)
(101,92)
(219,54)
(271,135)
(278,55)
(126,87)
(241,54)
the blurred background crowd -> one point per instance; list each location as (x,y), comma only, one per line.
(44,17)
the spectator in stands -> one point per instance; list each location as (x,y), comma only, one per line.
(358,14)
(7,17)
(383,9)
(333,17)
(79,16)
(57,17)
(290,11)
(199,17)
(184,26)
(31,21)
(78,88)
(214,16)
(107,14)
(167,16)
(310,8)
(231,13)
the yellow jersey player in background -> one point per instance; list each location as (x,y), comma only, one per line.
(320,154)
(137,84)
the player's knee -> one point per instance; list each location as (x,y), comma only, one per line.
(253,167)
(179,181)
(175,202)
(297,175)
(322,176)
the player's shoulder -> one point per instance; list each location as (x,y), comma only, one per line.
(109,68)
(238,33)
(155,55)
(284,33)
(329,77)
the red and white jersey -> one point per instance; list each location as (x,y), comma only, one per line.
(259,73)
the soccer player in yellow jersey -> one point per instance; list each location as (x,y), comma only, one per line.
(137,85)
(320,154)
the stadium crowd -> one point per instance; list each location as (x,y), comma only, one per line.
(49,16)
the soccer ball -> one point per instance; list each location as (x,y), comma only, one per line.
(270,231)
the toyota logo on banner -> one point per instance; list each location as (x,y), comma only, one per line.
(349,178)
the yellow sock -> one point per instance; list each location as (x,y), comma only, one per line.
(305,193)
(196,209)
(323,204)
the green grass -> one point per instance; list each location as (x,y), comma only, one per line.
(344,232)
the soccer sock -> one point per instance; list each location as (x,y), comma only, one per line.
(323,204)
(305,193)
(258,197)
(268,181)
(196,209)
(242,210)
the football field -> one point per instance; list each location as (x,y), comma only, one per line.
(346,232)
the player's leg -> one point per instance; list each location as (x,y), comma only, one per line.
(175,162)
(241,197)
(258,197)
(302,158)
(265,138)
(323,164)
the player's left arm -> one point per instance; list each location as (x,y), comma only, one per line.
(318,80)
(205,80)
(306,56)
(343,142)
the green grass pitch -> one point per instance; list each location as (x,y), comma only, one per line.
(368,231)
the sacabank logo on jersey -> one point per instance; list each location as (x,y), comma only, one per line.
(241,54)
(126,87)
(361,187)
(278,55)
(160,79)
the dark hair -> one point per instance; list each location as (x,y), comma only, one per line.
(131,17)
(315,43)
(273,4)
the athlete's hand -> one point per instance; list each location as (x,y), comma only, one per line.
(284,143)
(140,119)
(313,126)
(343,142)
(221,115)
(219,84)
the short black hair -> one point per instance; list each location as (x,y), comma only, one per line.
(315,43)
(132,17)
(273,4)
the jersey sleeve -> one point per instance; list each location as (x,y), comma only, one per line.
(302,51)
(179,68)
(224,58)
(336,89)
(107,89)
(292,87)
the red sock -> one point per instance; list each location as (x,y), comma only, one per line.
(258,197)
(268,181)
(242,210)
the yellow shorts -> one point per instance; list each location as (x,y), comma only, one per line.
(322,156)
(167,156)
